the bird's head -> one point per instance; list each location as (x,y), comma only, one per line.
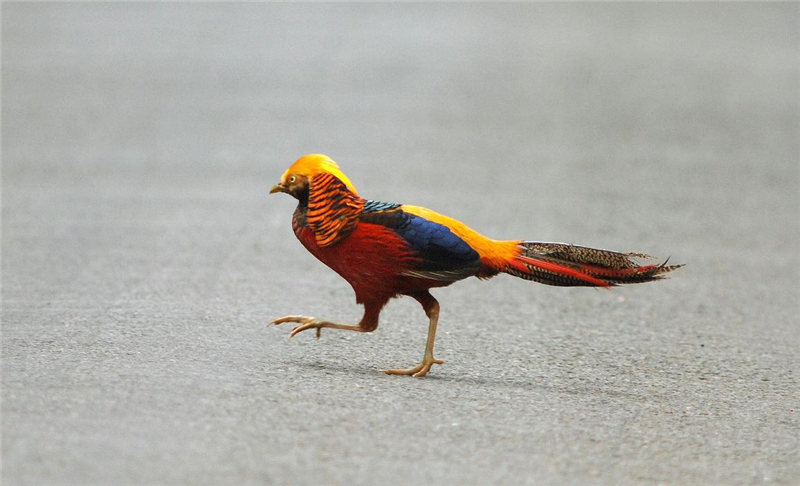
(298,178)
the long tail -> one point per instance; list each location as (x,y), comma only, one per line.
(578,266)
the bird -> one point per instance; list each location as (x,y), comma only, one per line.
(387,250)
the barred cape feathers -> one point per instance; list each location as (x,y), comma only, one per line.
(333,210)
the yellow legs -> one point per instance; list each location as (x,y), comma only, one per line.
(431,307)
(370,322)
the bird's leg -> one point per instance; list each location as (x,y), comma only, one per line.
(431,307)
(368,323)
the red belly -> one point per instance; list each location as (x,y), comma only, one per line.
(372,259)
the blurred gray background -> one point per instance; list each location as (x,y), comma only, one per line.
(142,257)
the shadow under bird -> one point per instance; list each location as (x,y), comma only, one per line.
(386,250)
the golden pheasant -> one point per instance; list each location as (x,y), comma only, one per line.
(386,250)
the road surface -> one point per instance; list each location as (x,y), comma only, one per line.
(142,257)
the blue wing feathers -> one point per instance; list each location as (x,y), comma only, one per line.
(443,255)
(439,248)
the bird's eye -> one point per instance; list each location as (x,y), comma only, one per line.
(292,179)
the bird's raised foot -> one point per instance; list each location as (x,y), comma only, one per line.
(417,371)
(306,324)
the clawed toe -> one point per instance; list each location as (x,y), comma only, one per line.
(300,319)
(310,325)
(306,324)
(417,371)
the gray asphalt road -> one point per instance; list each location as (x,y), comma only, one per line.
(142,257)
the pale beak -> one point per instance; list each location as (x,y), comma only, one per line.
(277,188)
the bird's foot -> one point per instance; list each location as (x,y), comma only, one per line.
(306,324)
(417,371)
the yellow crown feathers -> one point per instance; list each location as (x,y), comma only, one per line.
(313,164)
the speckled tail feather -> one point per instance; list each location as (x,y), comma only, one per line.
(567,265)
